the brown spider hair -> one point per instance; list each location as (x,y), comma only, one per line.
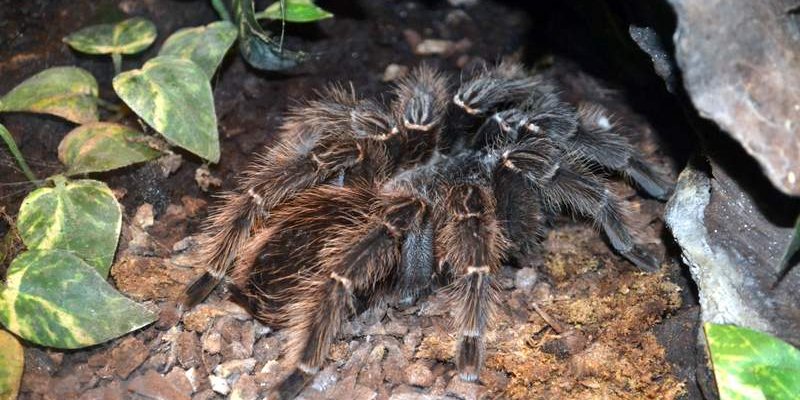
(360,199)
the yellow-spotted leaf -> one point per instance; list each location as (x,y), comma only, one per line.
(751,365)
(125,37)
(80,216)
(67,92)
(12,362)
(205,45)
(53,298)
(295,11)
(174,97)
(257,46)
(103,146)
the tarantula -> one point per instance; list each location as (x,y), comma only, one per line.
(360,200)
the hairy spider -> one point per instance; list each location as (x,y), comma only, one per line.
(360,200)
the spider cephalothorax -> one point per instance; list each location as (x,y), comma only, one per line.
(361,200)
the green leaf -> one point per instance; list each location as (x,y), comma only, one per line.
(67,92)
(80,216)
(791,250)
(296,11)
(126,37)
(54,299)
(256,45)
(205,45)
(174,97)
(752,365)
(12,362)
(103,146)
(12,147)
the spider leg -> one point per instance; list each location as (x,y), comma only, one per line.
(564,181)
(275,259)
(416,263)
(472,243)
(420,105)
(597,140)
(310,153)
(519,212)
(354,262)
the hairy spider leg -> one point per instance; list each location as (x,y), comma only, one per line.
(472,243)
(310,153)
(564,181)
(356,261)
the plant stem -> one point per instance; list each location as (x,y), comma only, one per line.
(283,24)
(220,8)
(116,58)
(12,147)
(109,105)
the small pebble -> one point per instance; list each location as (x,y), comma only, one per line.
(526,278)
(394,72)
(219,385)
(418,374)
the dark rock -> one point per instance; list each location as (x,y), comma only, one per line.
(733,252)
(419,374)
(113,391)
(207,394)
(739,61)
(464,390)
(647,39)
(235,367)
(570,343)
(177,377)
(151,385)
(245,388)
(128,356)
(212,342)
(187,349)
(267,349)
(39,361)
(169,316)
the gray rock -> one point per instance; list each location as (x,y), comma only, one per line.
(740,61)
(733,252)
(525,278)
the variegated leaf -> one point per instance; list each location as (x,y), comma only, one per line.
(67,92)
(54,299)
(174,96)
(750,365)
(295,11)
(125,37)
(205,45)
(103,146)
(12,361)
(80,216)
(257,47)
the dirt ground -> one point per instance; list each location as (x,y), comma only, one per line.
(578,322)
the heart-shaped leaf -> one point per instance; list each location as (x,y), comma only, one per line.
(174,96)
(103,146)
(295,11)
(125,37)
(67,92)
(79,216)
(256,45)
(205,45)
(54,299)
(12,362)
(752,365)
